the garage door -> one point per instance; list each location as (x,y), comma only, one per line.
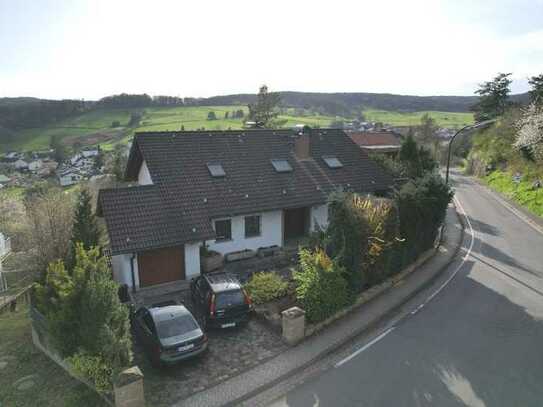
(161,266)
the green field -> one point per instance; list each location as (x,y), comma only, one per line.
(443,119)
(96,127)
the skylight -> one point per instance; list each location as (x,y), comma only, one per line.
(281,165)
(216,170)
(332,162)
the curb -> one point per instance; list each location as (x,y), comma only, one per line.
(334,347)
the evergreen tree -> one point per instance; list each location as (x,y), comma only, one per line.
(263,112)
(211,116)
(85,229)
(59,148)
(493,97)
(536,93)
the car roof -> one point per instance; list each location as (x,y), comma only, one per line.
(222,281)
(168,312)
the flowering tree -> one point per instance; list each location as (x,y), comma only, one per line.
(530,130)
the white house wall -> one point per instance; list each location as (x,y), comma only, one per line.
(123,275)
(319,216)
(192,260)
(271,229)
(144,177)
(122,271)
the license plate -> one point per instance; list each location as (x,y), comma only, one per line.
(229,325)
(186,347)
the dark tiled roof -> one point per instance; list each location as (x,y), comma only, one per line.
(375,138)
(183,199)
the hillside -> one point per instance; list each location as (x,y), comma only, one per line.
(95,126)
(347,103)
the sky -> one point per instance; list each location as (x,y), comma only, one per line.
(89,49)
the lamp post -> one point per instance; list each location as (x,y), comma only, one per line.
(470,127)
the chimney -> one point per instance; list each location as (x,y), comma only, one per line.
(302,144)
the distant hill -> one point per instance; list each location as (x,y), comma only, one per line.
(347,103)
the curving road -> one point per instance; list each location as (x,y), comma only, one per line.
(478,342)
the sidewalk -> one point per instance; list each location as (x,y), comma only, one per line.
(254,381)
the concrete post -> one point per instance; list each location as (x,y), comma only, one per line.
(129,388)
(293,321)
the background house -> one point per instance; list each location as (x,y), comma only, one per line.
(379,142)
(230,190)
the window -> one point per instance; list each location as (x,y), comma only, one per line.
(216,170)
(252,226)
(223,229)
(281,165)
(332,162)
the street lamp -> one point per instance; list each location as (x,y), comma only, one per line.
(470,127)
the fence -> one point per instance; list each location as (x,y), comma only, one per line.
(11,301)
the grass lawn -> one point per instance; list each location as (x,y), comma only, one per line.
(28,377)
(532,199)
(443,119)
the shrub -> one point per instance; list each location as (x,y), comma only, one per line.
(348,233)
(84,315)
(422,205)
(264,287)
(321,288)
(92,368)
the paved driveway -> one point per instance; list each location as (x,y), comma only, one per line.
(230,352)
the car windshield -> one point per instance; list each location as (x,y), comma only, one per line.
(176,326)
(230,298)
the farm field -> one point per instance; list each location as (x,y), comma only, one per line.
(443,119)
(96,127)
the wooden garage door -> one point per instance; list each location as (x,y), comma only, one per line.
(161,266)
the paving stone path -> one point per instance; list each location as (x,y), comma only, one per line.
(230,353)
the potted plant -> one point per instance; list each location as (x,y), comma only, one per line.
(209,259)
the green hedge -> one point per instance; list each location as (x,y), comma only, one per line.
(264,287)
(321,288)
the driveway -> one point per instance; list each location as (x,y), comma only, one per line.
(230,352)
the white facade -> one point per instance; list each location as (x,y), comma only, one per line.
(144,177)
(319,217)
(35,165)
(69,179)
(89,153)
(271,233)
(21,164)
(122,268)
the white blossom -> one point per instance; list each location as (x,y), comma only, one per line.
(530,129)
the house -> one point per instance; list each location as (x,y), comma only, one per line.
(91,152)
(4,179)
(380,142)
(232,190)
(35,165)
(74,160)
(21,165)
(5,245)
(69,176)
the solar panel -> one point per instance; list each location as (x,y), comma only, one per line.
(332,162)
(281,165)
(216,170)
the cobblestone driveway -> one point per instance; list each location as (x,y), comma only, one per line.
(230,352)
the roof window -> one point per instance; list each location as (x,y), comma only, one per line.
(281,165)
(332,162)
(216,170)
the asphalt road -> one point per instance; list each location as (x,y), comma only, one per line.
(478,342)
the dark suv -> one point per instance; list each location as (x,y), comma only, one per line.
(221,298)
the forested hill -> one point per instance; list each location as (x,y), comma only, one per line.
(345,103)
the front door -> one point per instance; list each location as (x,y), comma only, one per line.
(295,223)
(161,266)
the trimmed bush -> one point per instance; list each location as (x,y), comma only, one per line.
(264,287)
(321,288)
(422,204)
